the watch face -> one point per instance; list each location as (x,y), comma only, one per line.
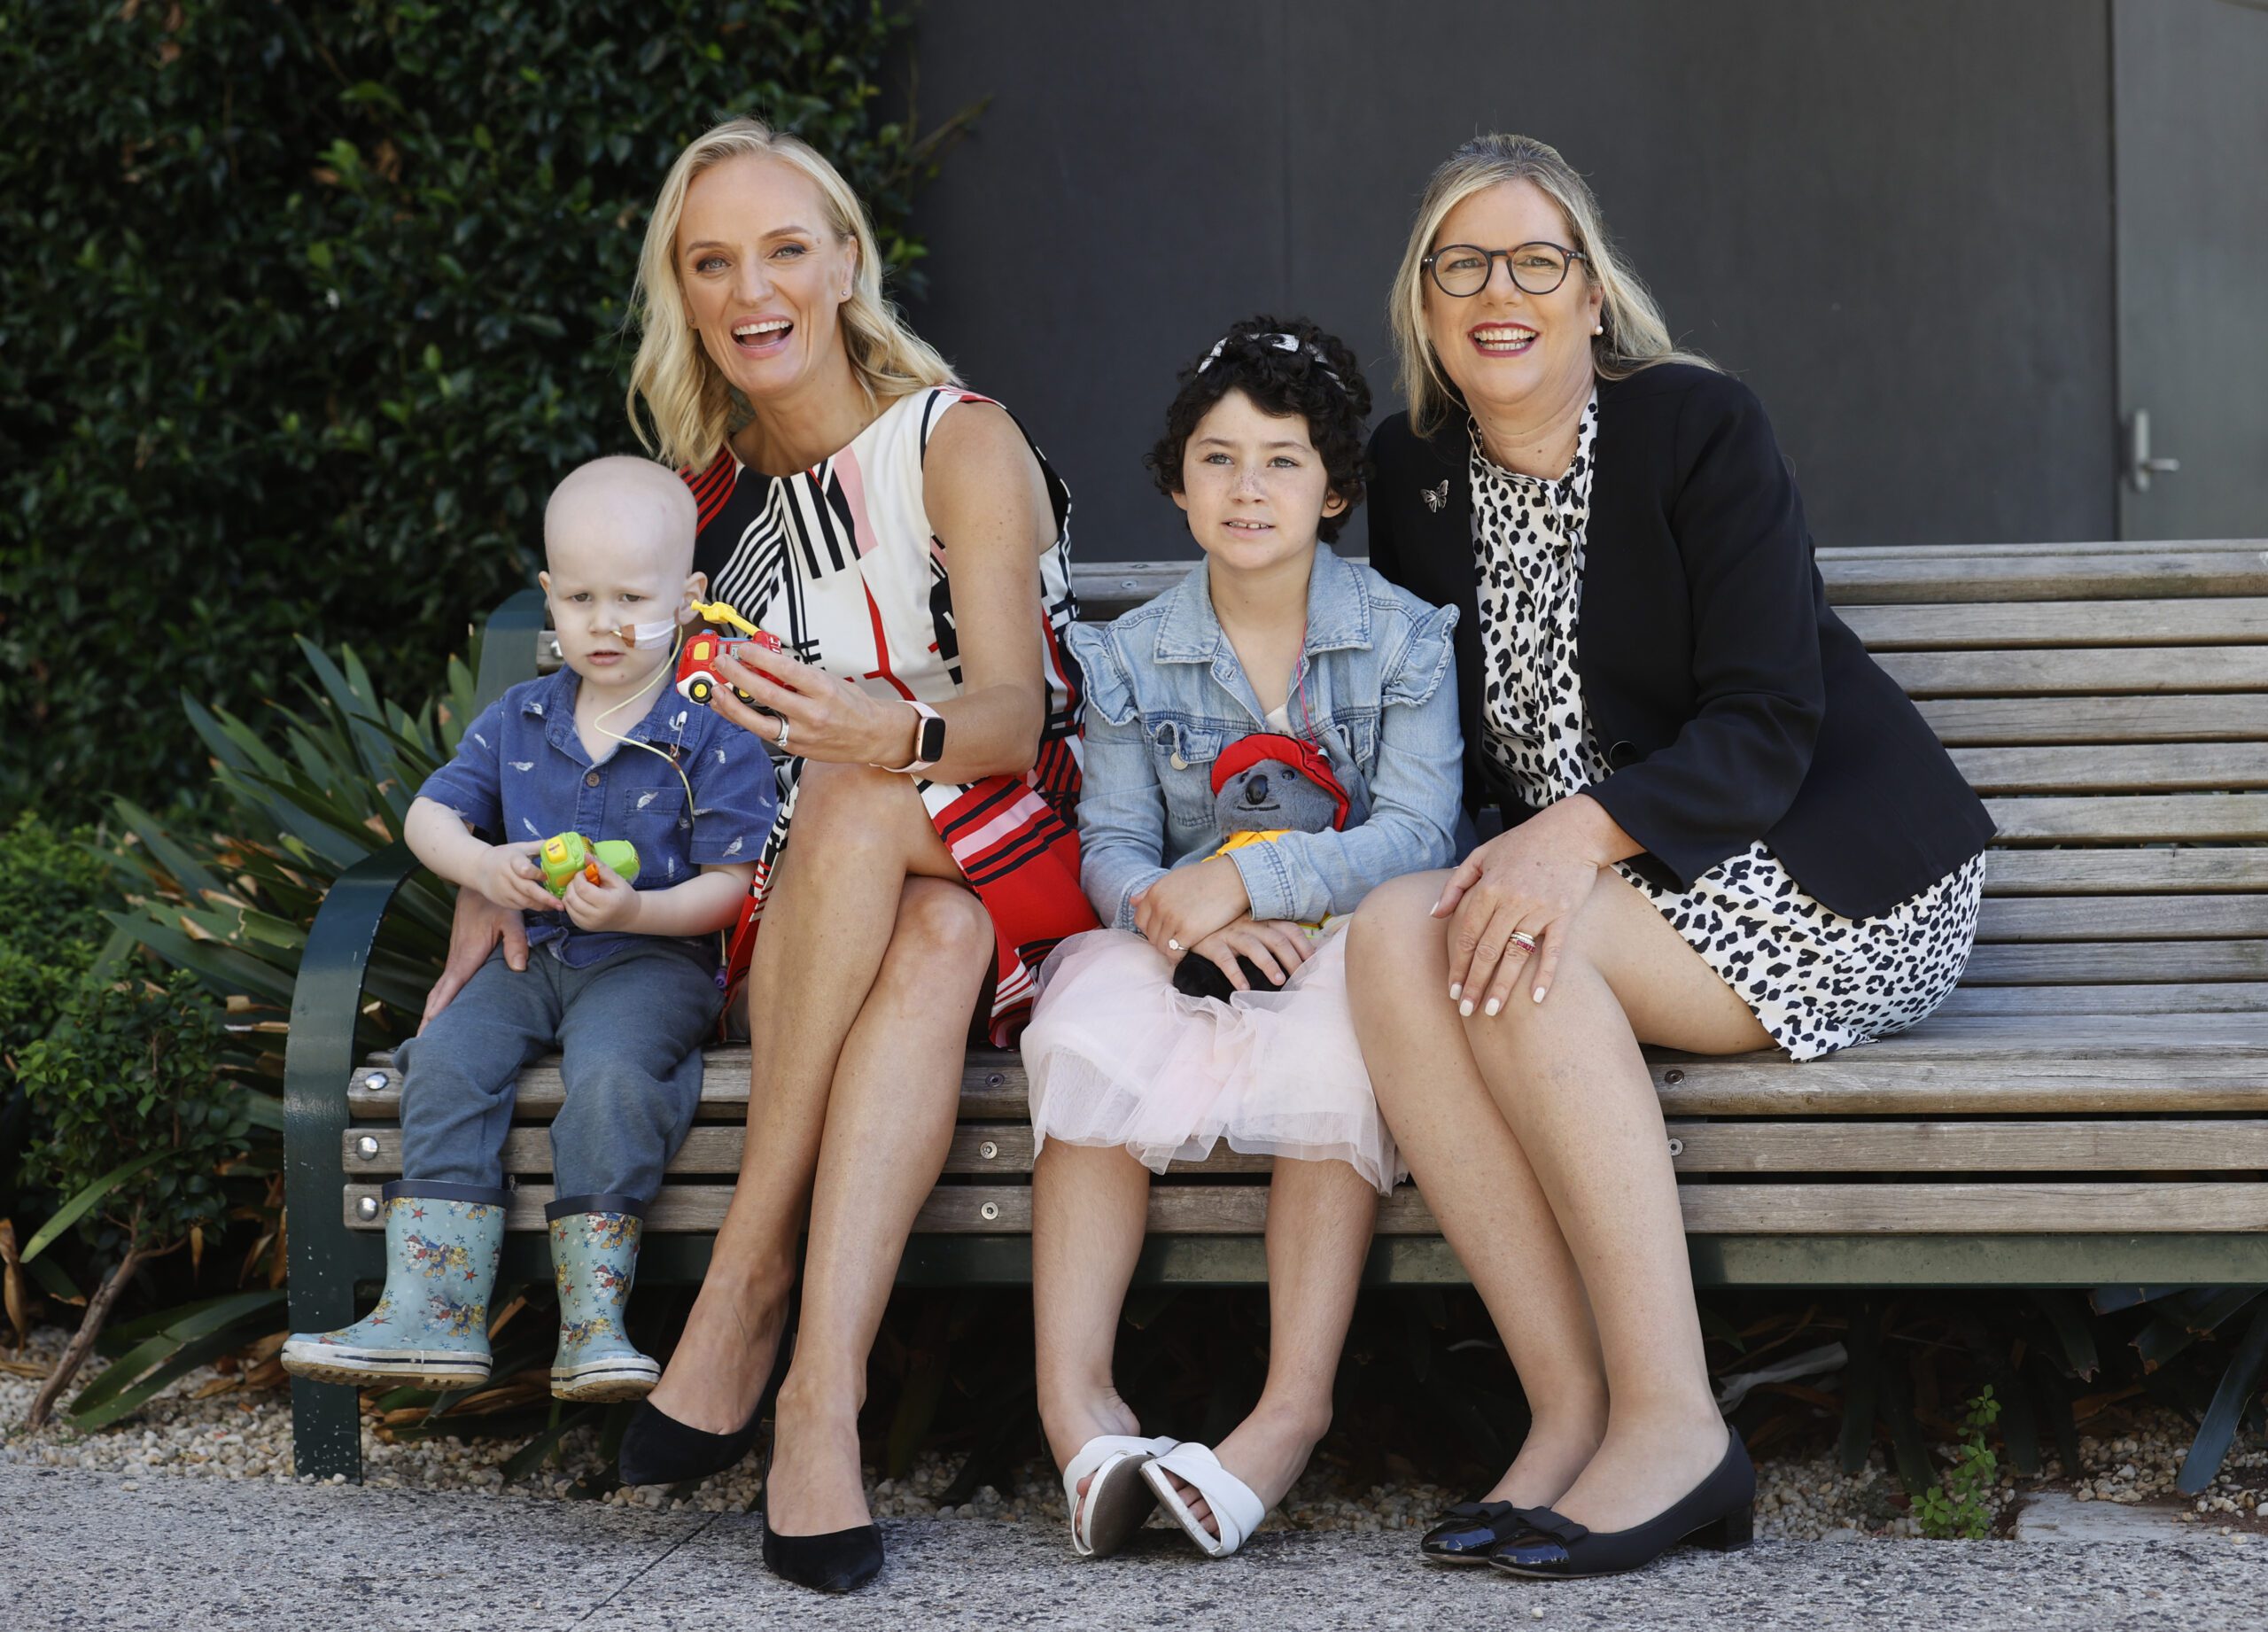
(932,742)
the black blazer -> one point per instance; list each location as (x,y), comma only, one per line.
(1732,703)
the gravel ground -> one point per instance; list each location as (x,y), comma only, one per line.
(211,1424)
(87,1552)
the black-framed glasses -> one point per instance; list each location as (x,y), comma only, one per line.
(1463,269)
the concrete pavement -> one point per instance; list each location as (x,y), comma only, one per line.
(85,1552)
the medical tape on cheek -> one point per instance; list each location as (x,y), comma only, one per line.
(646,636)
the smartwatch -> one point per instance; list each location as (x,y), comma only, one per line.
(928,741)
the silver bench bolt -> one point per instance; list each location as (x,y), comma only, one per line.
(990,1211)
(993,1079)
(367,1208)
(1673,1076)
(366,1147)
(375,1082)
(989,1150)
(1676,1148)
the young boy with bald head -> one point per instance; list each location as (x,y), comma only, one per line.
(622,976)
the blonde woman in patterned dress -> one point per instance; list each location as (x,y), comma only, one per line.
(1726,829)
(907,542)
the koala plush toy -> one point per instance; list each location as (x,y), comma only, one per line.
(1264,786)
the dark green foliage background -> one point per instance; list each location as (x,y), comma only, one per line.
(132,1070)
(304,309)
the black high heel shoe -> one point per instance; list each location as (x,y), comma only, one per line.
(839,1561)
(658,1449)
(1719,1512)
(1464,1533)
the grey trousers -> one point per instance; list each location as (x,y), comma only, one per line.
(629,1029)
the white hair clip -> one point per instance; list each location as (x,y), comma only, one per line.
(1281,342)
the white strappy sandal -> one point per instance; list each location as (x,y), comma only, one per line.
(1117,1501)
(1235,1508)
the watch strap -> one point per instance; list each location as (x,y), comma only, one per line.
(921,730)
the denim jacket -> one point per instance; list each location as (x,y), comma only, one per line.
(1166,693)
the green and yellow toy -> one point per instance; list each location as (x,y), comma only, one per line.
(565,854)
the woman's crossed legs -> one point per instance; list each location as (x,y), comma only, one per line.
(1538,1142)
(877,953)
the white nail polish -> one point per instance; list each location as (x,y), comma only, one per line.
(1491,1008)
(1457,990)
(1465,1008)
(1539,994)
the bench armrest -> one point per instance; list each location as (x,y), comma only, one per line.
(508,653)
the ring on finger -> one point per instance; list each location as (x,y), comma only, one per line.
(781,740)
(1172,944)
(1522,939)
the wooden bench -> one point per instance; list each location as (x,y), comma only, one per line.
(2090,1108)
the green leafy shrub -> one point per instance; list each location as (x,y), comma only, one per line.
(1961,1504)
(305,308)
(53,887)
(139,1117)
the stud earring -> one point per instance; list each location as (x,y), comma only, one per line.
(1598,328)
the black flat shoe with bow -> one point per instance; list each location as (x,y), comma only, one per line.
(1718,1512)
(1465,1533)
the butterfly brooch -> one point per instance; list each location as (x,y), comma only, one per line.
(1435,497)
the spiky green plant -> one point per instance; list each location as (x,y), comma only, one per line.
(305,793)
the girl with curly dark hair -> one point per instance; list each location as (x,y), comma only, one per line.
(1271,650)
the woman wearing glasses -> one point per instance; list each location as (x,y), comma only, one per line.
(1726,829)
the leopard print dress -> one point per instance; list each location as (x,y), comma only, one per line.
(1818,980)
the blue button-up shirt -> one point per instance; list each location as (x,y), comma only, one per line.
(1166,693)
(521,772)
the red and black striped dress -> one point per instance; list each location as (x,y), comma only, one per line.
(841,562)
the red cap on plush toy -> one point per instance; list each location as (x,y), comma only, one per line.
(1302,756)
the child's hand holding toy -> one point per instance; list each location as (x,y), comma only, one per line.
(509,875)
(608,903)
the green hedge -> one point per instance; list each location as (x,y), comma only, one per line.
(306,306)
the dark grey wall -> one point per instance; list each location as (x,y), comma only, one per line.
(1894,221)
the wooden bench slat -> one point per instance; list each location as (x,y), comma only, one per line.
(1985,1055)
(2173,1003)
(1908,577)
(2165,1146)
(1005,1149)
(2131,819)
(2102,964)
(2174,767)
(2106,671)
(2019,1207)
(2110,872)
(2005,549)
(2012,625)
(1987,722)
(1901,574)
(2122,918)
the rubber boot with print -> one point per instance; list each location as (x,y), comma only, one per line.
(594,1260)
(430,1327)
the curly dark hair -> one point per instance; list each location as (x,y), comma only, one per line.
(1300,381)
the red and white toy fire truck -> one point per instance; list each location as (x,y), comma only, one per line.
(696,672)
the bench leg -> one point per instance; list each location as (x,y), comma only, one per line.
(326,1420)
(326,997)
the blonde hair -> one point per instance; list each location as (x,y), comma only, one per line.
(691,406)
(1635,337)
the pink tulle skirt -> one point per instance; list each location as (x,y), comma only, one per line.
(1116,1056)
